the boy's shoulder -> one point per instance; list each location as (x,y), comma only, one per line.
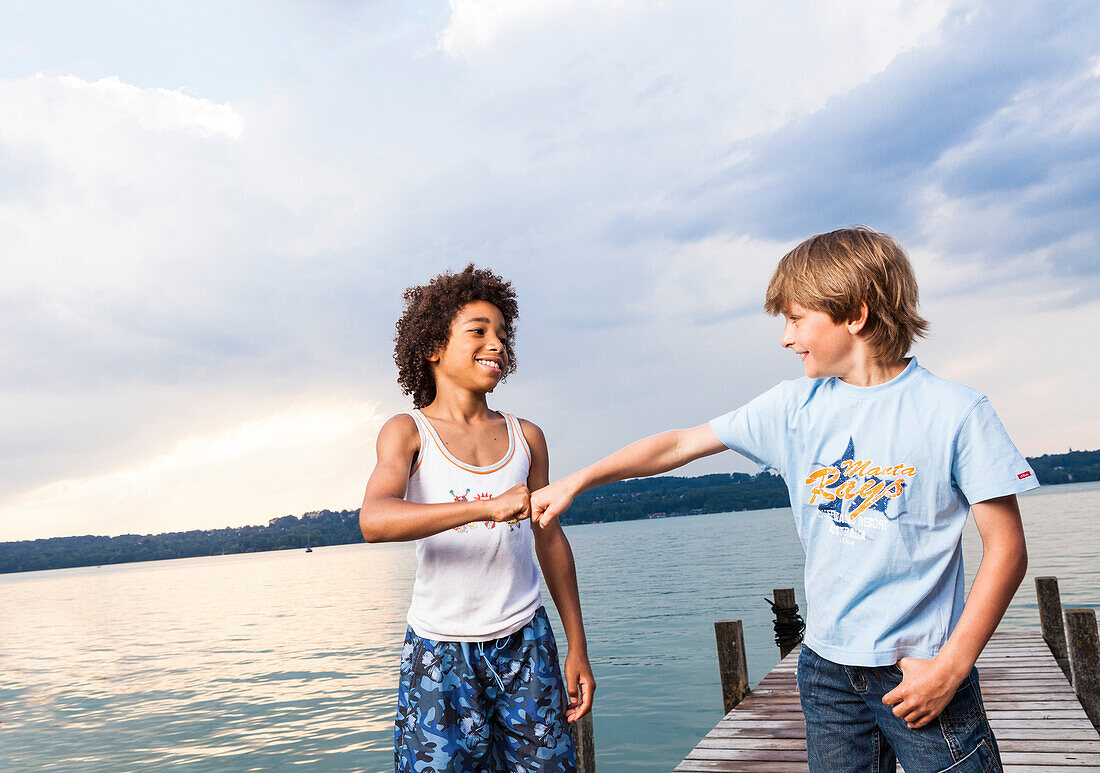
(400,430)
(398,437)
(528,426)
(532,433)
(953,391)
(400,424)
(793,395)
(795,390)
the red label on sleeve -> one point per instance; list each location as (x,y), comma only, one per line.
(1023,475)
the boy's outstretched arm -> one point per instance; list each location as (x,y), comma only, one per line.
(928,685)
(385,515)
(558,568)
(649,456)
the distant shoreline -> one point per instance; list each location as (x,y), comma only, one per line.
(629,500)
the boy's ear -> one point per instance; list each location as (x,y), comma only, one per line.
(856,324)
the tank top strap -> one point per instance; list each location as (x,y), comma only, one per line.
(421,430)
(517,430)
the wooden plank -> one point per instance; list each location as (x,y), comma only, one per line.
(754,743)
(789,755)
(796,731)
(741,766)
(1029,746)
(1064,760)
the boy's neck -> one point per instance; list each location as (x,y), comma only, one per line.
(871,371)
(459,406)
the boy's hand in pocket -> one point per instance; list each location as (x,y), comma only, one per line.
(925,690)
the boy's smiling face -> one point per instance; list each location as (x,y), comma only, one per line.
(475,356)
(827,348)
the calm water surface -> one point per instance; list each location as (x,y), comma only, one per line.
(288,661)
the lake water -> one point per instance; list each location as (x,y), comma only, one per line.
(288,661)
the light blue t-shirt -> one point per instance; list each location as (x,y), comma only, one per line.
(881,480)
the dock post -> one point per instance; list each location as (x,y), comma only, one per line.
(1050,620)
(788,624)
(732,664)
(1084,658)
(585,739)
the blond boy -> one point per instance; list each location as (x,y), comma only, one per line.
(883,461)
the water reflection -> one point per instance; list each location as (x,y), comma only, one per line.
(225,663)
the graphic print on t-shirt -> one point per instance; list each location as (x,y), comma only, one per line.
(852,488)
(465,497)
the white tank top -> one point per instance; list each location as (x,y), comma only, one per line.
(479,581)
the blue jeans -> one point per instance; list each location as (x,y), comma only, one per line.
(850,730)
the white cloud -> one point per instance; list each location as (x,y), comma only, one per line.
(732,69)
(118,177)
(62,111)
(477,24)
(302,458)
(145,217)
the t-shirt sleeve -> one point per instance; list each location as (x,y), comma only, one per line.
(758,429)
(986,463)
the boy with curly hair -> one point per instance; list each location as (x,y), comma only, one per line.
(480,686)
(883,461)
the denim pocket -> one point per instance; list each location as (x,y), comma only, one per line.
(967,732)
(963,714)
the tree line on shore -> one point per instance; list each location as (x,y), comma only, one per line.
(624,501)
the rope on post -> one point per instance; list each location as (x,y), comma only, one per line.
(789,625)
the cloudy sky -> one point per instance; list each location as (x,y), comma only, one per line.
(208,212)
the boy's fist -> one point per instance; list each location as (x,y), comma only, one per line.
(513,505)
(549,502)
(924,692)
(580,683)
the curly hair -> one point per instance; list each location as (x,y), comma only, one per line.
(425,325)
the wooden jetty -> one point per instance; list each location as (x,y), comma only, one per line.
(1037,716)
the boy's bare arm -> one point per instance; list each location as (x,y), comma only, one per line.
(929,685)
(385,515)
(649,456)
(558,568)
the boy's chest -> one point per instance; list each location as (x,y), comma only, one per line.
(478,446)
(849,466)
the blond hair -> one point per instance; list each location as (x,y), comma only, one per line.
(836,272)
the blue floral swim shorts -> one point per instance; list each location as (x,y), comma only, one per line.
(483,707)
